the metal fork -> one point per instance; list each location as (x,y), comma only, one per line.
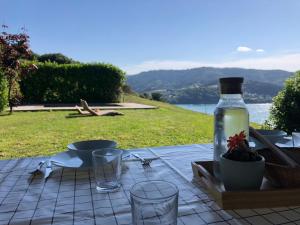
(145,162)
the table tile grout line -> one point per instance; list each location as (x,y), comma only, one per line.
(183,176)
(32,178)
(154,203)
(14,183)
(289,220)
(8,161)
(263,216)
(169,164)
(113,192)
(92,199)
(16,161)
(112,208)
(272,211)
(224,220)
(287,217)
(204,148)
(161,194)
(8,172)
(52,219)
(74,195)
(292,210)
(127,197)
(269,221)
(37,203)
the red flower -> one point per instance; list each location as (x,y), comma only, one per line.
(236,140)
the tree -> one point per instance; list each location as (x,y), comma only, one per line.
(156,96)
(285,109)
(3,91)
(14,48)
(55,57)
(127,89)
(33,57)
(145,95)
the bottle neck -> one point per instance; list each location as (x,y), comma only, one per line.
(231,97)
(232,100)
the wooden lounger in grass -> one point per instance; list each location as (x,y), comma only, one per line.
(96,112)
(82,112)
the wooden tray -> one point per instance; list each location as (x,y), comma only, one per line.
(277,172)
(266,197)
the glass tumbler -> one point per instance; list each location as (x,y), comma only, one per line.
(296,139)
(154,202)
(107,169)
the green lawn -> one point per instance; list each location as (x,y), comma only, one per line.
(25,134)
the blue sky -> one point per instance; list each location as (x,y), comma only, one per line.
(139,35)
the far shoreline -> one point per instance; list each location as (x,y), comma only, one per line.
(258,112)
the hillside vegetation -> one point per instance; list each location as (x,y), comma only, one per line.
(254,92)
(199,85)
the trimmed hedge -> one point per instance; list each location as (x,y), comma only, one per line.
(67,83)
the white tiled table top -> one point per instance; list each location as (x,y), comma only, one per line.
(69,195)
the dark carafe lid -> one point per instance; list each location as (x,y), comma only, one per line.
(231,85)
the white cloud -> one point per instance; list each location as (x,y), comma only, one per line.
(260,50)
(289,62)
(243,49)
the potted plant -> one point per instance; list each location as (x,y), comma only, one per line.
(241,168)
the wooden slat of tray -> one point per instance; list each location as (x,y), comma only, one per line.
(267,197)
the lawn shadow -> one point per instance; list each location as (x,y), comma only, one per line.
(76,115)
(5,114)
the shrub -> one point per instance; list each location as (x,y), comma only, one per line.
(68,83)
(285,109)
(3,92)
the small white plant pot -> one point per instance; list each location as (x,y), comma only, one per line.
(240,175)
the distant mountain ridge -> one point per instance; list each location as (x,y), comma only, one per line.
(199,85)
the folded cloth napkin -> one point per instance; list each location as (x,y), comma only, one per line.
(45,168)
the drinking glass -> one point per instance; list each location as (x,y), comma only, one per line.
(296,139)
(107,169)
(154,202)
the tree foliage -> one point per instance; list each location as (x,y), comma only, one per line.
(55,57)
(3,92)
(127,89)
(156,96)
(14,48)
(285,109)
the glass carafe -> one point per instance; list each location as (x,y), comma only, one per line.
(231,117)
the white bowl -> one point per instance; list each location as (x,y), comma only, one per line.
(84,149)
(92,145)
